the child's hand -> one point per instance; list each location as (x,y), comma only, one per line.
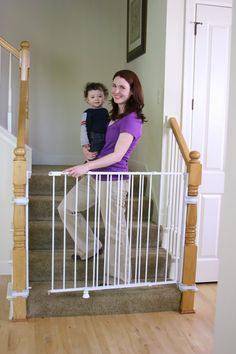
(87,153)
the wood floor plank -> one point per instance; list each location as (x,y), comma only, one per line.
(148,333)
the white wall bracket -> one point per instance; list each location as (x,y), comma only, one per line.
(21,201)
(11,294)
(191,200)
(185,287)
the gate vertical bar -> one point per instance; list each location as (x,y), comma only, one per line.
(87,234)
(98,223)
(95,229)
(127,235)
(64,235)
(120,224)
(53,230)
(76,231)
(148,227)
(109,227)
(131,224)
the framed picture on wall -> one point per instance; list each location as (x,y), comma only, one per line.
(136,28)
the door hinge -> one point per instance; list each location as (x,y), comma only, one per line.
(196,23)
(192,104)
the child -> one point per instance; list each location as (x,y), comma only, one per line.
(94,120)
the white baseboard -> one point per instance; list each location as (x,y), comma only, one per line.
(207,270)
(5,267)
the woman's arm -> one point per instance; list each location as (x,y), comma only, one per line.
(123,143)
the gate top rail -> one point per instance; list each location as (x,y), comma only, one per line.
(93,173)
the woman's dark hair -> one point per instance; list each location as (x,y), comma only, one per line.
(95,86)
(135,103)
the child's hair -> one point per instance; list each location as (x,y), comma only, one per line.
(95,86)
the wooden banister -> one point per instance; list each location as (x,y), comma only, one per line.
(194,170)
(9,47)
(19,184)
(180,139)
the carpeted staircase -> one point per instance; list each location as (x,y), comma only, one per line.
(40,304)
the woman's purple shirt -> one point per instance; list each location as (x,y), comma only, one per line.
(128,124)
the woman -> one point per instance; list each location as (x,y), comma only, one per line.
(122,136)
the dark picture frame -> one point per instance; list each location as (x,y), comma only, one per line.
(136,28)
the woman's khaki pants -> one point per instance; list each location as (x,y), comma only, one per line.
(112,196)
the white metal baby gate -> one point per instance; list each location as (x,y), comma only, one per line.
(133,251)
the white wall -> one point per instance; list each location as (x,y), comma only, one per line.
(174,51)
(7,145)
(225,324)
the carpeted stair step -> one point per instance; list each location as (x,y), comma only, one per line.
(40,263)
(40,235)
(122,301)
(40,208)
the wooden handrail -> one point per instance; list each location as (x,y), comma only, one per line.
(180,139)
(19,186)
(194,169)
(9,47)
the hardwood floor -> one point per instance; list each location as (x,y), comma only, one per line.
(150,333)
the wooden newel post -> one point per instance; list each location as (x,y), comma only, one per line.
(19,291)
(190,249)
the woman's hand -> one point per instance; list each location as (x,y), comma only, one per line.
(77,171)
(87,153)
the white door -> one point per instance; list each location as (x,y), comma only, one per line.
(209,125)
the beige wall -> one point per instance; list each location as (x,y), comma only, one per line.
(150,68)
(73,42)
